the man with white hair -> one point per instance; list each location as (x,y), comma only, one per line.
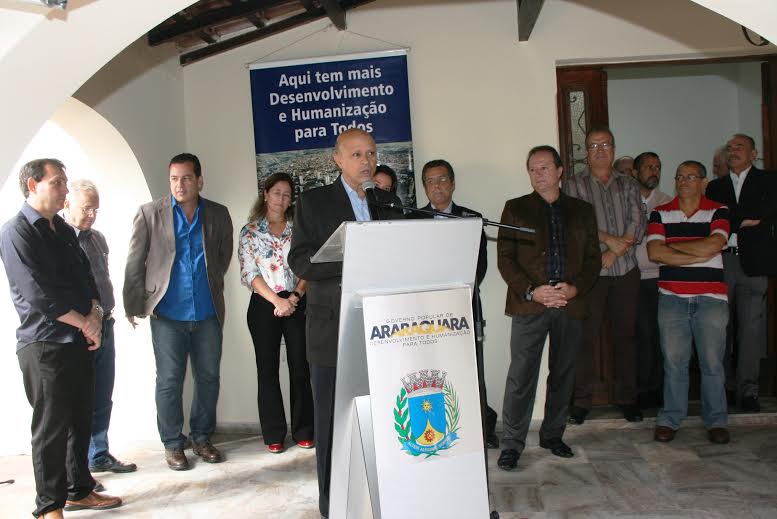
(81,206)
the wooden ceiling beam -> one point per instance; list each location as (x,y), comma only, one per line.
(249,37)
(528,12)
(168,32)
(335,13)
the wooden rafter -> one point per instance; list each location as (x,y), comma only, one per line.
(528,12)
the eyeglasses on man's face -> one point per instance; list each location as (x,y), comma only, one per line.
(687,178)
(600,145)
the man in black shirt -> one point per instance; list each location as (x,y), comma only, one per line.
(61,321)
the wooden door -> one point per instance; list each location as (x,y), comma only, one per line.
(582,104)
(769,153)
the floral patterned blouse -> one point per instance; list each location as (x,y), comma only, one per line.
(263,254)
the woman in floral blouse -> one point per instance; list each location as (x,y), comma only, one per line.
(277,308)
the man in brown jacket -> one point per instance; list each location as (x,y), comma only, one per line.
(547,276)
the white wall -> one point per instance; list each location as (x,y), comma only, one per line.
(141,92)
(478,98)
(683,112)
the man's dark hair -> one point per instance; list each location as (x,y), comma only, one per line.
(642,156)
(544,148)
(695,163)
(183,158)
(36,170)
(438,163)
(749,139)
(386,170)
(599,128)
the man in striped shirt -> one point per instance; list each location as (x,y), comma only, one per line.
(621,224)
(686,237)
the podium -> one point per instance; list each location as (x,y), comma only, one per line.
(407,437)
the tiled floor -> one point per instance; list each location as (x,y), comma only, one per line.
(618,471)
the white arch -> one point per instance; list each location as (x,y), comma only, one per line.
(91,148)
(45,55)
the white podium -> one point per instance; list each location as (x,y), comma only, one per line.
(406,364)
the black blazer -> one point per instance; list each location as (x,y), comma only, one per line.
(480,272)
(757,200)
(318,213)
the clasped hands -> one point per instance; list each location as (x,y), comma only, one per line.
(617,246)
(284,307)
(556,296)
(92,328)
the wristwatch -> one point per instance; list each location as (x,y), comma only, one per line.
(529,294)
(99,310)
(295,293)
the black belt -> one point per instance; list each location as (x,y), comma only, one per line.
(732,250)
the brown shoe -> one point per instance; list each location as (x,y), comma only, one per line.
(53,514)
(663,433)
(93,501)
(718,435)
(176,459)
(207,452)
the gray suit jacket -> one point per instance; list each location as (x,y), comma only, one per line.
(152,252)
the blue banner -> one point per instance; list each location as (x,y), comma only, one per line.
(300,107)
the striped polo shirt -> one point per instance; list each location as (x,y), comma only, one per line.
(668,223)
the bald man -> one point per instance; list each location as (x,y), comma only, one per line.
(318,214)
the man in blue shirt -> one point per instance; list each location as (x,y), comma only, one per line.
(179,252)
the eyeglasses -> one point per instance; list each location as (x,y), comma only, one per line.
(434,181)
(602,145)
(89,211)
(687,178)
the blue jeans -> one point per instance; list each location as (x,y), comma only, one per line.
(681,321)
(104,375)
(174,342)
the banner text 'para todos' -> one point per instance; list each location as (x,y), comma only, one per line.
(305,106)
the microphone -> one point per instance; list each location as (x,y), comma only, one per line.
(368,186)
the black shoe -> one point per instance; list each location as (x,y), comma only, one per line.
(750,404)
(111,464)
(508,459)
(631,413)
(577,415)
(492,441)
(557,447)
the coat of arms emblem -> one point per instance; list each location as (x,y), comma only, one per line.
(426,415)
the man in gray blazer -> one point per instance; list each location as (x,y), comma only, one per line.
(179,252)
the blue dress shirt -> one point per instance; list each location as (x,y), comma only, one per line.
(360,207)
(188,294)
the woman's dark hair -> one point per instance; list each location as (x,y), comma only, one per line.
(384,169)
(260,207)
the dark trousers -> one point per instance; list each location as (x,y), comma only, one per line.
(747,304)
(615,297)
(174,342)
(650,361)
(322,380)
(266,331)
(104,376)
(526,344)
(59,383)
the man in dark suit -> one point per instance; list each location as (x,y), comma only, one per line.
(749,193)
(547,275)
(439,182)
(317,215)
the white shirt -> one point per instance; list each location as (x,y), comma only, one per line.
(738,181)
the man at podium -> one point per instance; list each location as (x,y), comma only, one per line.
(318,214)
